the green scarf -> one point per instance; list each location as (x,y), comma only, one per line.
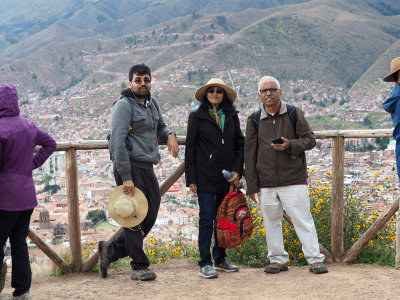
(219,117)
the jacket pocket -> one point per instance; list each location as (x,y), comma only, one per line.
(138,122)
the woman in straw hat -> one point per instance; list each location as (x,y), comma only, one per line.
(214,142)
(392,105)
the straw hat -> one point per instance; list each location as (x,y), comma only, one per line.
(394,67)
(128,211)
(230,92)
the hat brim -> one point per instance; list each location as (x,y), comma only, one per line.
(230,93)
(390,77)
(141,209)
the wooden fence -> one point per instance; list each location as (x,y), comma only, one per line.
(337,202)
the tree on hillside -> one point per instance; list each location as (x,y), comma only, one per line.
(96,216)
(221,20)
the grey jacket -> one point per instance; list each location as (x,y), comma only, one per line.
(139,126)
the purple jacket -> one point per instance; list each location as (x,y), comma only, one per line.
(18,139)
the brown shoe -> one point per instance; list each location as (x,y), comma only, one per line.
(275,268)
(143,275)
(103,259)
(318,268)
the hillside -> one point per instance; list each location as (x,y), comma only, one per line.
(178,279)
(333,42)
(25,18)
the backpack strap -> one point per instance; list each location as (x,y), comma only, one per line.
(255,118)
(291,111)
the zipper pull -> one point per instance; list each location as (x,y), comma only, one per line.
(223,141)
(210,155)
(273,121)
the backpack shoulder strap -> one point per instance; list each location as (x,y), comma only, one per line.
(255,118)
(291,110)
(292,113)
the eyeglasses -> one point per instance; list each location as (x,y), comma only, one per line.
(212,91)
(271,90)
(138,80)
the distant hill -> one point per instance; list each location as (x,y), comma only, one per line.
(332,41)
(25,18)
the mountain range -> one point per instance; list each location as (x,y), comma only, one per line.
(50,46)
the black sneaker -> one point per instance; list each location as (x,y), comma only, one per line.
(318,268)
(103,259)
(3,273)
(143,275)
(226,266)
(275,268)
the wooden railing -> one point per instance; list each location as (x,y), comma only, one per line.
(337,202)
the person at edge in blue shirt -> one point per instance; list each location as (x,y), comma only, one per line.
(392,105)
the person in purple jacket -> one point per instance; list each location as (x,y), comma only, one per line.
(18,139)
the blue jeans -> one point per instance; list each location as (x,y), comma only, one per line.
(209,203)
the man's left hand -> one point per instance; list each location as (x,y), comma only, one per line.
(282,147)
(173,146)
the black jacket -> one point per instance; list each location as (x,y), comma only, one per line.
(209,150)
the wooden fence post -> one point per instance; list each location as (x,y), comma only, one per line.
(337,207)
(74,226)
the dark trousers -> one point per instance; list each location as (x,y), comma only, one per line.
(15,225)
(130,241)
(209,203)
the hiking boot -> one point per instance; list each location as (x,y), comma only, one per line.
(208,272)
(318,268)
(226,266)
(143,275)
(24,296)
(3,273)
(275,268)
(103,259)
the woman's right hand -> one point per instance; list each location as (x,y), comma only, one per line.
(193,188)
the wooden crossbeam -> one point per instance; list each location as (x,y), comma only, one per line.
(322,249)
(372,231)
(165,185)
(49,252)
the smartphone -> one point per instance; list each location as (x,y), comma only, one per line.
(277,141)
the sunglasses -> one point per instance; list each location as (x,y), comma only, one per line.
(271,90)
(218,91)
(146,80)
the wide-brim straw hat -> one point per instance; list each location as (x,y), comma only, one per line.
(230,92)
(394,67)
(128,211)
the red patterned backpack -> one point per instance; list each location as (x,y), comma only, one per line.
(234,222)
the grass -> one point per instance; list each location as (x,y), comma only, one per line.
(105,225)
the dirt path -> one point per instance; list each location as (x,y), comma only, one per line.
(178,279)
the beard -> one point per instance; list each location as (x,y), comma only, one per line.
(142,94)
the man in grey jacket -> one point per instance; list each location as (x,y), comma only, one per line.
(136,127)
(276,171)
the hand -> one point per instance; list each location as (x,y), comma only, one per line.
(173,146)
(193,188)
(235,179)
(253,197)
(128,187)
(282,147)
